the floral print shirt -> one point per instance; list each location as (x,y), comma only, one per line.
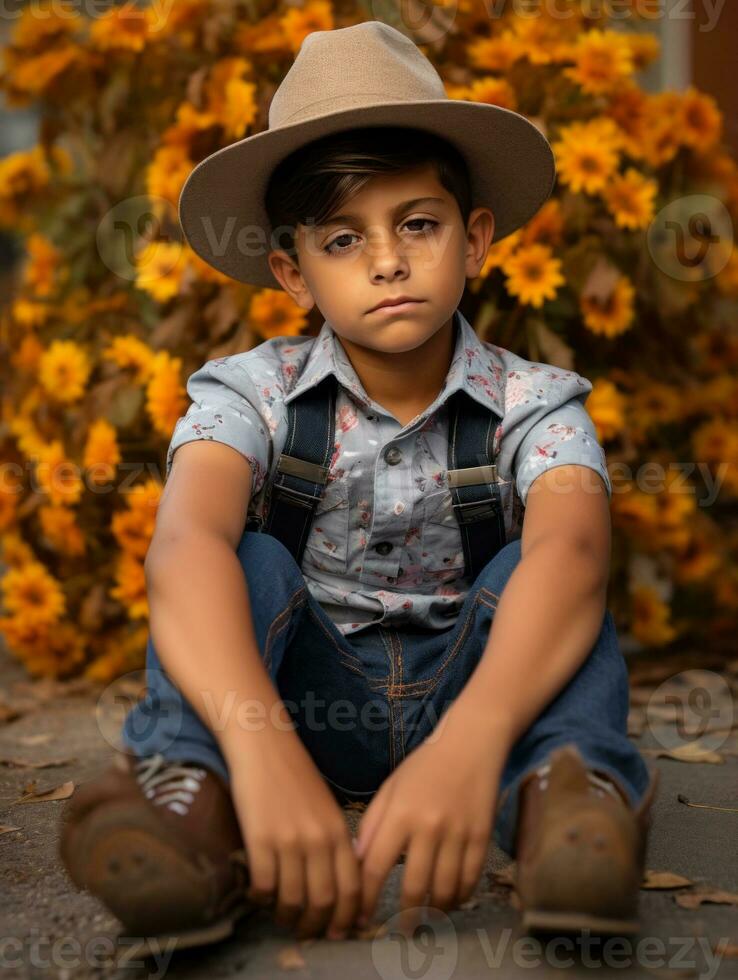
(384,545)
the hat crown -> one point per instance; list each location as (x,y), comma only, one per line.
(351,67)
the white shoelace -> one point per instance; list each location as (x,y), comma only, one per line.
(167,783)
(601,785)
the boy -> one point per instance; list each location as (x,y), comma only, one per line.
(403,476)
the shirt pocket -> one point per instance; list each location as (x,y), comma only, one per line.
(441,547)
(327,543)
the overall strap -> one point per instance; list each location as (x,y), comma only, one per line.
(473,481)
(302,470)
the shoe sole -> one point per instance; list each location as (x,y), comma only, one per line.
(143,946)
(125,863)
(544,920)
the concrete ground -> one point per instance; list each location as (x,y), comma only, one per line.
(50,929)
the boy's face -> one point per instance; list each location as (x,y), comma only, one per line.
(381,247)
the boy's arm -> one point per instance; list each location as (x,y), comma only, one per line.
(298,845)
(551,609)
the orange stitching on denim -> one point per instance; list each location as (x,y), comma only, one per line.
(454,650)
(412,687)
(390,681)
(329,635)
(426,685)
(350,666)
(284,615)
(399,686)
(343,655)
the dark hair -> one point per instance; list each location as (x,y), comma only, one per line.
(315,180)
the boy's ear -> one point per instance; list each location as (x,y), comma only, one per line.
(480,231)
(288,274)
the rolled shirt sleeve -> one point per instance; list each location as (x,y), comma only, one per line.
(566,434)
(225,409)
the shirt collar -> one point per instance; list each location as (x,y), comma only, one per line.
(476,368)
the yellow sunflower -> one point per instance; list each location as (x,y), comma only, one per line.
(57,476)
(630,199)
(130,351)
(273,313)
(587,155)
(31,590)
(495,53)
(101,453)
(124,28)
(533,274)
(60,529)
(298,22)
(159,268)
(494,91)
(606,407)
(602,60)
(130,587)
(702,121)
(63,371)
(165,394)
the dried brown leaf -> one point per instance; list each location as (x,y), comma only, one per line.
(290,958)
(61,792)
(663,879)
(548,346)
(27,764)
(38,739)
(8,713)
(693,899)
(691,752)
(729,950)
(601,281)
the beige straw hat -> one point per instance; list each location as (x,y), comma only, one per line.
(369,74)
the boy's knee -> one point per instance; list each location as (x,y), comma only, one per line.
(258,552)
(498,569)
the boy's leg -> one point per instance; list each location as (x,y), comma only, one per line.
(590,711)
(309,661)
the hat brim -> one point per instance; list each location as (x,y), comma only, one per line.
(221,205)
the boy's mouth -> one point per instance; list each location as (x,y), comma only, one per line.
(399,303)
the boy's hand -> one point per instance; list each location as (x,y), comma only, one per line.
(438,805)
(298,845)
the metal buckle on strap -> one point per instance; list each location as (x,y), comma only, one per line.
(294,466)
(471,475)
(476,510)
(305,500)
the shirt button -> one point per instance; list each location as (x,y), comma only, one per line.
(393,455)
(399,507)
(383,548)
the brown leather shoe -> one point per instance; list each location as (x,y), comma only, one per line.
(580,847)
(159,843)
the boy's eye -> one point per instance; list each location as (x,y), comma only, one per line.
(413,221)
